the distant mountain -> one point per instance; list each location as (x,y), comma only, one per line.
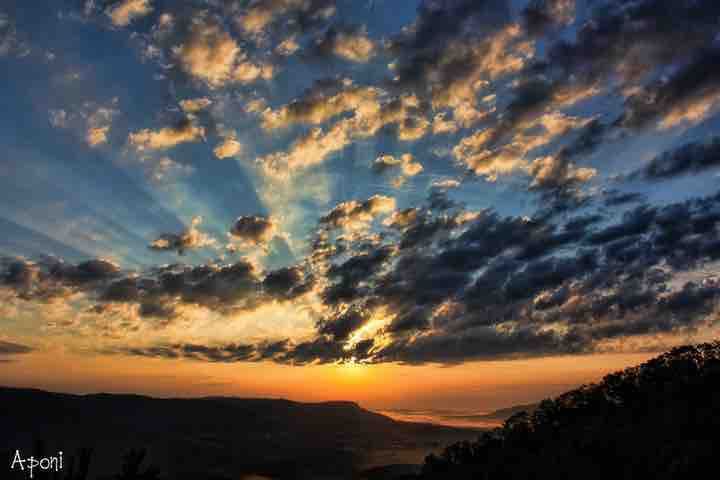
(503,414)
(219,438)
(657,421)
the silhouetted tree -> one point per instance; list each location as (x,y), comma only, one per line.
(658,420)
(131,468)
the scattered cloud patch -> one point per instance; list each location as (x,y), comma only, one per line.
(124,12)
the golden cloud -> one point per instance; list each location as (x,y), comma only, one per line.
(229,147)
(211,55)
(354,47)
(166,137)
(128,10)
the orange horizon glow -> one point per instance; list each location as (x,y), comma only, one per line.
(477,386)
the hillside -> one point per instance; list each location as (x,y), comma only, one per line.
(658,420)
(225,437)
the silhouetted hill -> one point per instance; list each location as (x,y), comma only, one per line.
(656,421)
(225,437)
(505,413)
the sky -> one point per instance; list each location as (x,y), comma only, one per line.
(417,204)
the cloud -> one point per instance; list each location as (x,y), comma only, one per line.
(287,283)
(468,68)
(287,47)
(91,120)
(161,170)
(631,40)
(456,50)
(691,158)
(472,152)
(97,136)
(541,15)
(10,349)
(614,198)
(405,113)
(445,183)
(353,214)
(342,325)
(386,162)
(58,118)
(262,14)
(326,99)
(99,123)
(253,230)
(483,153)
(11,42)
(519,99)
(195,105)
(406,164)
(687,97)
(435,286)
(551,173)
(128,10)
(209,54)
(218,354)
(167,137)
(229,147)
(346,42)
(191,239)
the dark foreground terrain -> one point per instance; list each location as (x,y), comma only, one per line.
(657,421)
(660,420)
(214,438)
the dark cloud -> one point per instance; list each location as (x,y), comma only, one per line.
(220,287)
(440,21)
(287,283)
(190,239)
(253,229)
(634,38)
(343,324)
(439,200)
(483,343)
(10,348)
(228,287)
(415,320)
(588,139)
(351,212)
(453,287)
(691,158)
(361,266)
(219,354)
(21,274)
(541,15)
(322,349)
(125,290)
(444,30)
(348,42)
(634,222)
(615,198)
(685,96)
(629,43)
(95,270)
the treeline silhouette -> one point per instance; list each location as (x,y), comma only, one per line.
(659,420)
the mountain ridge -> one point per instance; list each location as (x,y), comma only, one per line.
(228,436)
